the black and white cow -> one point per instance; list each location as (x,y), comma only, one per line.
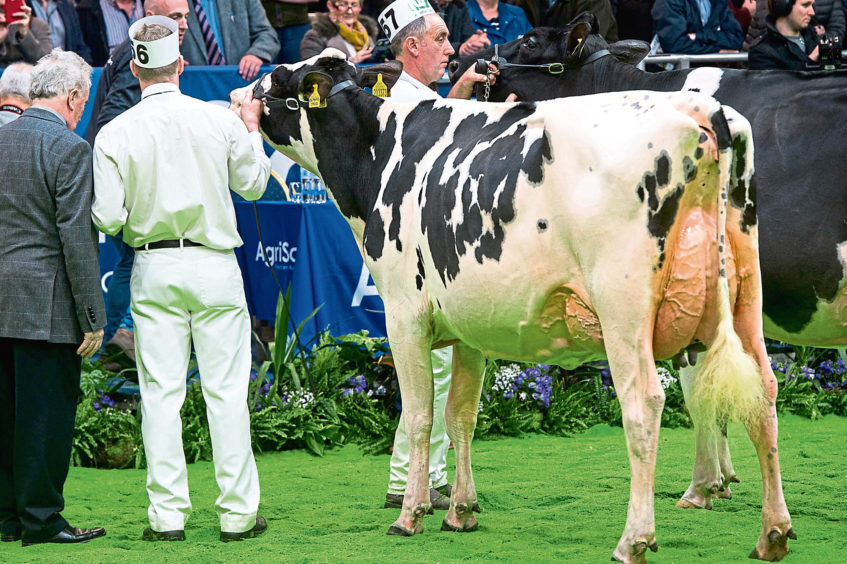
(801,175)
(561,232)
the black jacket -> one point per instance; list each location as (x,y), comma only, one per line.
(73,35)
(93,27)
(117,91)
(774,51)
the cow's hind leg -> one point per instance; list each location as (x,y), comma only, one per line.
(411,351)
(713,469)
(642,399)
(460,418)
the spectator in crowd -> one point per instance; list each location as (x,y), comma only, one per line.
(564,11)
(789,42)
(419,40)
(743,10)
(14,91)
(501,22)
(464,37)
(50,299)
(695,27)
(290,19)
(27,39)
(105,23)
(222,32)
(118,91)
(65,32)
(634,19)
(829,19)
(186,283)
(344,28)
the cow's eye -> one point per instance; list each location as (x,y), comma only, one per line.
(530,43)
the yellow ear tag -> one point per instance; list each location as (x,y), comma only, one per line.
(380,89)
(315,98)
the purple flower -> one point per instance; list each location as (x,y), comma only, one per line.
(808,372)
(265,390)
(253,376)
(534,372)
(97,407)
(106,401)
(258,406)
(346,392)
(544,367)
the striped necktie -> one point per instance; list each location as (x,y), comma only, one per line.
(212,49)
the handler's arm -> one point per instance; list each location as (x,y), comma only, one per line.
(107,210)
(249,166)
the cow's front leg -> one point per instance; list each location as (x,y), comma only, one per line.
(707,478)
(410,347)
(642,398)
(460,418)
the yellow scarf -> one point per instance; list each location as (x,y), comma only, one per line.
(357,36)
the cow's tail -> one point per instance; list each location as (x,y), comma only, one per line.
(729,384)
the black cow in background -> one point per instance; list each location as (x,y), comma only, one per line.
(799,123)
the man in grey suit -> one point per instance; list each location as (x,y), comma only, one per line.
(50,299)
(238,29)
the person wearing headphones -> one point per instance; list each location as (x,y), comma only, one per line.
(789,42)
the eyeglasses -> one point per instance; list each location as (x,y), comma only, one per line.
(346,5)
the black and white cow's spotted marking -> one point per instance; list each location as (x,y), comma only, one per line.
(800,185)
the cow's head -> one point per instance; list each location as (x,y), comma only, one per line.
(297,96)
(576,46)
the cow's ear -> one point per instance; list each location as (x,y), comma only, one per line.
(630,51)
(314,88)
(586,18)
(577,37)
(390,71)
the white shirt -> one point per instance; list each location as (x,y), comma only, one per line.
(163,170)
(409,89)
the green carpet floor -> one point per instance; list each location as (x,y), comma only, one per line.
(545,499)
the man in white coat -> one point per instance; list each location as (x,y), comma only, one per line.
(419,40)
(162,172)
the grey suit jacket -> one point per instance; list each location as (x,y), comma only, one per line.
(49,274)
(245,30)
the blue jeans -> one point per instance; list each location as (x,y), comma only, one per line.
(117,296)
(290,37)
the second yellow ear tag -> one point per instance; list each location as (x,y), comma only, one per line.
(315,98)
(380,89)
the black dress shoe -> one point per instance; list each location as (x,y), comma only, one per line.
(150,535)
(260,527)
(71,535)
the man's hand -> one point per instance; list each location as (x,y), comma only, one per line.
(90,343)
(362,55)
(815,54)
(464,86)
(251,109)
(249,67)
(475,43)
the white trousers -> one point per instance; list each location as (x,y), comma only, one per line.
(179,296)
(439,442)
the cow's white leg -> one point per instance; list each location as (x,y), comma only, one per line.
(410,347)
(642,398)
(460,418)
(706,479)
(725,461)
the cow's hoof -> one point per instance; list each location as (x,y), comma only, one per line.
(773,547)
(688,504)
(400,531)
(445,526)
(724,493)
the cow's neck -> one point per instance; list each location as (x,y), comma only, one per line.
(614,76)
(348,169)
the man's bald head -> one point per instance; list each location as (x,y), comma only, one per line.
(177,10)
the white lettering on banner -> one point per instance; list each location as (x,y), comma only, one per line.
(283,254)
(363,288)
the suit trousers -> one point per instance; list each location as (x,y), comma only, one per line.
(39,390)
(180,296)
(439,442)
